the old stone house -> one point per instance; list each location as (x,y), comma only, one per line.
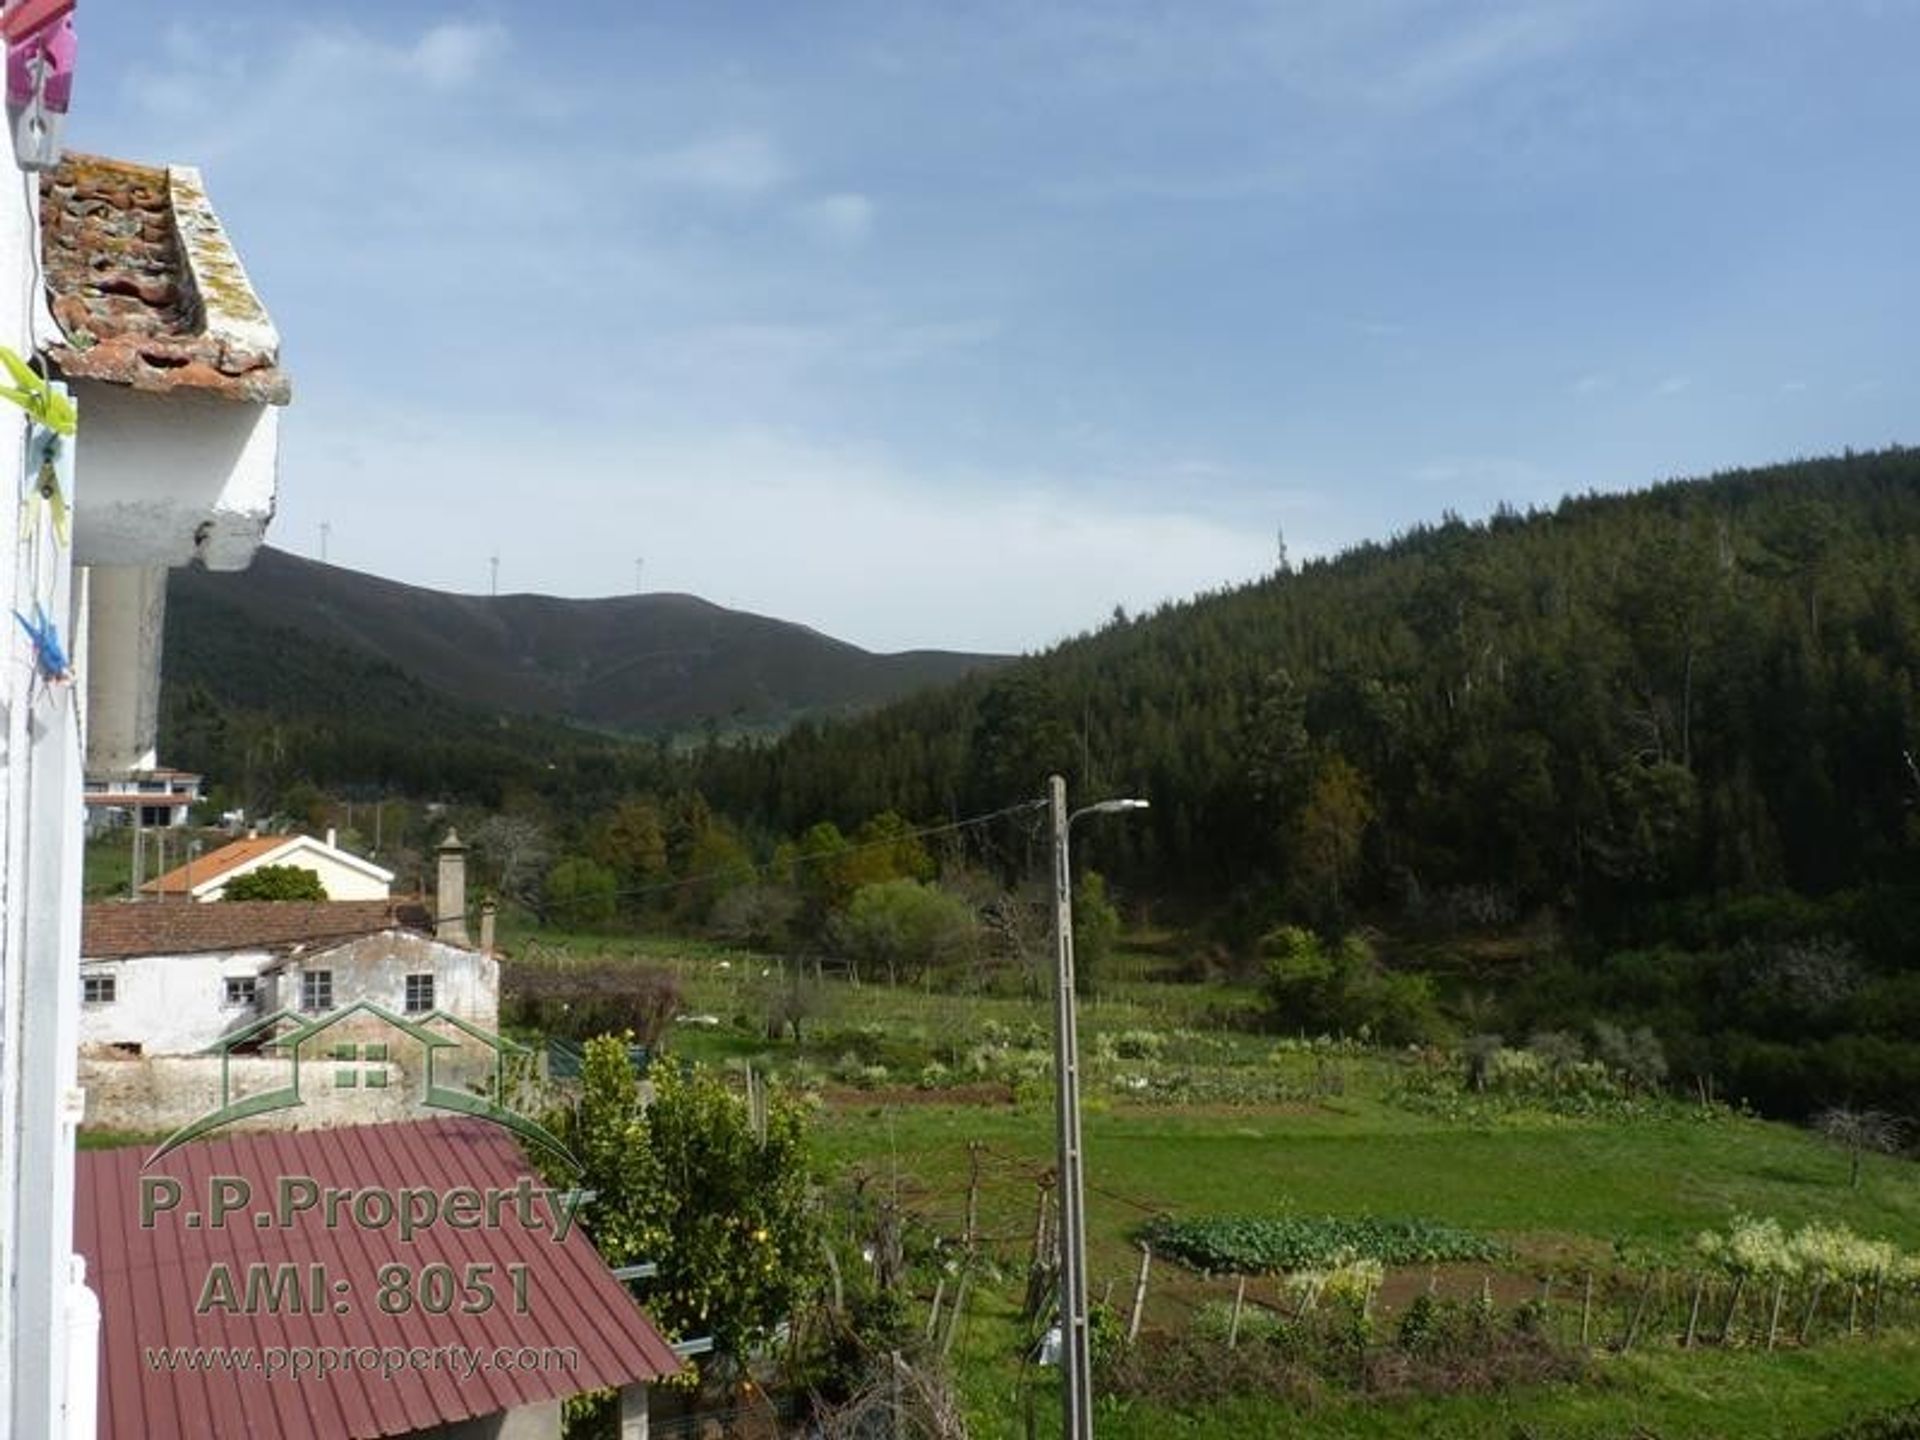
(166,988)
(174,979)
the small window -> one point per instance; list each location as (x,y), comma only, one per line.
(316,990)
(419,994)
(98,989)
(242,990)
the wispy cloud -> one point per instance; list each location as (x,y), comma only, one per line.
(850,538)
(740,162)
(454,54)
(845,219)
(1469,56)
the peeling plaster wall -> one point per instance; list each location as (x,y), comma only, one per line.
(172,1004)
(176,1004)
(466,983)
(159,1094)
(173,478)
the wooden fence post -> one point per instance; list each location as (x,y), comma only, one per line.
(1586,1313)
(933,1314)
(953,1315)
(1640,1310)
(1733,1308)
(1693,1315)
(1239,1300)
(1140,1292)
(1813,1308)
(973,1194)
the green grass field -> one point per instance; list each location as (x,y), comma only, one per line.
(1563,1195)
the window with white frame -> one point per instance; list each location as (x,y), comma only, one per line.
(316,990)
(242,989)
(419,994)
(98,989)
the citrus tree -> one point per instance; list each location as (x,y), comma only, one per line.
(694,1183)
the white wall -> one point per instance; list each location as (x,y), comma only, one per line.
(342,880)
(171,1004)
(174,478)
(40,817)
(175,1004)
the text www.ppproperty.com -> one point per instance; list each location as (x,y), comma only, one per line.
(314,1362)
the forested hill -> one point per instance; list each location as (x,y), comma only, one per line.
(640,664)
(1704,688)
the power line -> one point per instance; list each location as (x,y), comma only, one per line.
(766,867)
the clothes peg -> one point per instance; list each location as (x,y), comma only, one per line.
(50,661)
(44,496)
(39,89)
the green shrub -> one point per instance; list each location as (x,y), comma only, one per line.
(1314,989)
(275,882)
(1254,1246)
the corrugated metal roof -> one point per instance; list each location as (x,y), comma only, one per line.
(116,929)
(149,1281)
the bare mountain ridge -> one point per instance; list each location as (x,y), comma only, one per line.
(650,664)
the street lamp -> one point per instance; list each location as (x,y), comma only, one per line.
(1076,1356)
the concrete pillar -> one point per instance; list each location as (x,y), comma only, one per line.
(633,1412)
(487,912)
(450,894)
(126,612)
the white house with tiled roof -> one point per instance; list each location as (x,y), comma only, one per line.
(342,874)
(160,979)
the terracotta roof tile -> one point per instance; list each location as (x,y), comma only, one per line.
(181,881)
(149,1279)
(140,276)
(115,929)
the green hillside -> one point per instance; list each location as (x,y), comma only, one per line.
(637,664)
(1665,735)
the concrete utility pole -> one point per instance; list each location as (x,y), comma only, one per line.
(1076,1354)
(493,573)
(326,531)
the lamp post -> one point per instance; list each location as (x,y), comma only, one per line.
(1076,1357)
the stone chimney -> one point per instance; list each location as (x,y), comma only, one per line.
(450,895)
(487,910)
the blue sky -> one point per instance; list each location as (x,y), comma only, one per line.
(958,324)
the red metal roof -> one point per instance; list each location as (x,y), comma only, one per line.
(149,1281)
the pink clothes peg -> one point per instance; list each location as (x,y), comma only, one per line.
(39,89)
